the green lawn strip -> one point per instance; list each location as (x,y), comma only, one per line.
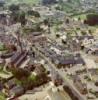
(23,1)
(2,96)
(2,48)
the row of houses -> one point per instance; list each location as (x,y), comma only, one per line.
(11,89)
(4,38)
(59,58)
(46,12)
(77,43)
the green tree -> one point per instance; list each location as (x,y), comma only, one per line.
(33,13)
(22,18)
(14,8)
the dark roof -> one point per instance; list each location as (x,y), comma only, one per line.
(34,39)
(79,61)
(17,59)
(17,90)
(63,60)
(4,56)
(21,59)
(83,37)
(67,61)
(16,56)
(36,33)
(7,39)
(10,84)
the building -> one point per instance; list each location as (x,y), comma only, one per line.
(39,69)
(80,85)
(17,59)
(63,61)
(16,91)
(10,84)
(36,39)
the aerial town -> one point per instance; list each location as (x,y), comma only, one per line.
(48,49)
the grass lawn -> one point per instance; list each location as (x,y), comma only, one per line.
(31,1)
(2,47)
(2,96)
(23,1)
(81,16)
(32,77)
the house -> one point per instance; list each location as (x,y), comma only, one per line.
(7,39)
(66,61)
(4,16)
(57,79)
(17,58)
(36,39)
(80,85)
(39,69)
(8,55)
(1,85)
(10,84)
(20,60)
(93,49)
(40,8)
(75,45)
(79,42)
(16,91)
(2,61)
(11,47)
(79,59)
(36,33)
(90,64)
(81,38)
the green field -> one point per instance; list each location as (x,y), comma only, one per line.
(2,96)
(31,1)
(23,1)
(81,16)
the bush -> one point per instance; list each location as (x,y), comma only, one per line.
(92,19)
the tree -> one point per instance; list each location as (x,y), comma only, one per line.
(92,19)
(30,12)
(36,14)
(58,8)
(90,31)
(67,21)
(20,72)
(46,22)
(14,8)
(15,13)
(33,13)
(15,17)
(22,18)
(83,33)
